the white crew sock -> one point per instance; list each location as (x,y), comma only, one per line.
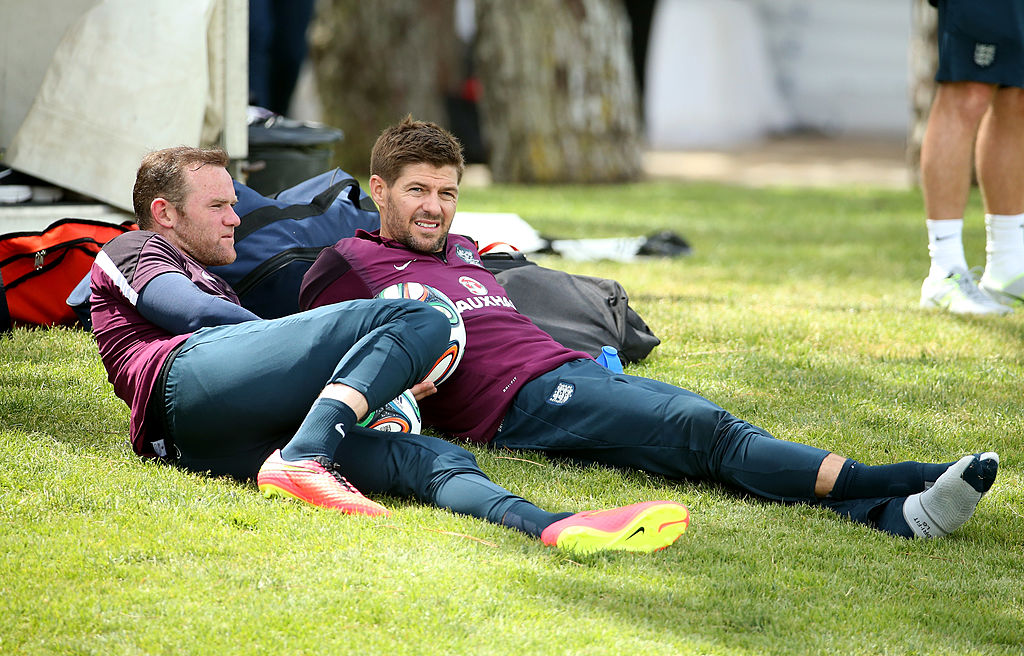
(950,502)
(1004,247)
(946,247)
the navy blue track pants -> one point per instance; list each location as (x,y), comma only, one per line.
(585,412)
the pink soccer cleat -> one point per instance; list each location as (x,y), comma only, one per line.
(646,527)
(315,481)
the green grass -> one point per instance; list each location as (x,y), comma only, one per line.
(797,311)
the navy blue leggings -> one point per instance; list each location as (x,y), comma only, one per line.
(426,468)
(585,412)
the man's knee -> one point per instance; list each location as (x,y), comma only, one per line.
(439,463)
(433,453)
(1009,103)
(968,101)
(701,420)
(456,460)
(430,324)
(418,319)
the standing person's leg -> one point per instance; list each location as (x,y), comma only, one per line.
(1000,164)
(235,393)
(946,162)
(288,50)
(948,144)
(977,54)
(261,36)
(582,411)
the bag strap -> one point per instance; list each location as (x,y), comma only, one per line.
(504,260)
(5,313)
(264,216)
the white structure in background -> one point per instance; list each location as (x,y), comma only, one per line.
(709,80)
(842,65)
(724,72)
(87,87)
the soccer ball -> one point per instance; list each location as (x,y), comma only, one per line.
(452,355)
(401,415)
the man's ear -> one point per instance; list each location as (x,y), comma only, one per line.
(163,212)
(377,187)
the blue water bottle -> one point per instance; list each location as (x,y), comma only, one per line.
(609,358)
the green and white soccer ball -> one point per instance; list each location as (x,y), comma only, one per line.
(402,415)
(449,359)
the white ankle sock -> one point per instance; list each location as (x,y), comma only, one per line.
(946,246)
(1004,246)
(950,502)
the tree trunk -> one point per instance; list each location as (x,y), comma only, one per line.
(559,101)
(924,60)
(377,61)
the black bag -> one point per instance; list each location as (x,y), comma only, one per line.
(5,314)
(279,238)
(580,312)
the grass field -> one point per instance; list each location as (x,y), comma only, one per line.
(797,311)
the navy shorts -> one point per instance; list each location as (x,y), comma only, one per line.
(981,41)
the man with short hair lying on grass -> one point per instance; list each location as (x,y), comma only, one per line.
(219,390)
(518,388)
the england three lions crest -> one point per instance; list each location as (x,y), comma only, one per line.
(984,54)
(467,255)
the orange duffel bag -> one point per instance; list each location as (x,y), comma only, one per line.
(39,270)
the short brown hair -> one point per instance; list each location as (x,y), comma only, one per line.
(414,142)
(162,175)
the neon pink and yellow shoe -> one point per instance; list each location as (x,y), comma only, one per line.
(646,527)
(315,481)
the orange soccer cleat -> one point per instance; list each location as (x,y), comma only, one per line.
(315,481)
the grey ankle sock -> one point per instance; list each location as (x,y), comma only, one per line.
(947,505)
